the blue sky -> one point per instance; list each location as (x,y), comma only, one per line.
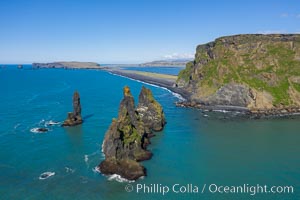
(131,31)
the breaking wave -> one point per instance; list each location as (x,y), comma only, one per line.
(37,130)
(157,86)
(46,175)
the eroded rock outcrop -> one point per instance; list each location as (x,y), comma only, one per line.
(74,118)
(126,140)
(150,111)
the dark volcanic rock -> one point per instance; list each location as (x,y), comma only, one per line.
(42,130)
(127,168)
(231,94)
(150,111)
(74,118)
(126,140)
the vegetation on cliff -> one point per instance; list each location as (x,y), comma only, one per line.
(126,140)
(267,67)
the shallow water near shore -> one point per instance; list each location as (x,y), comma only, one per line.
(194,148)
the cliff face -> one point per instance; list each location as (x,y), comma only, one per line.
(260,72)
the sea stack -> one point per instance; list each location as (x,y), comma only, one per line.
(125,142)
(150,111)
(74,118)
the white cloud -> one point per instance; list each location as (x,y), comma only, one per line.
(284,15)
(287,15)
(180,56)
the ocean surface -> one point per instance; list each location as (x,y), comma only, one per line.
(195,147)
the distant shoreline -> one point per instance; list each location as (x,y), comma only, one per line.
(161,80)
(67,65)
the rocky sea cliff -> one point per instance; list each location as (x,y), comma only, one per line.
(258,73)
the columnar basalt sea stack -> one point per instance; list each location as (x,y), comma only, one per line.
(74,118)
(125,142)
(150,111)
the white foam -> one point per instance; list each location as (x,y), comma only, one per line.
(114,177)
(46,175)
(96,170)
(42,122)
(16,126)
(36,130)
(118,178)
(51,123)
(69,170)
(102,155)
(173,93)
(223,111)
(205,115)
(86,158)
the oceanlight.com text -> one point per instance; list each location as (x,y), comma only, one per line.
(208,189)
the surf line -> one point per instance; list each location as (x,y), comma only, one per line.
(157,86)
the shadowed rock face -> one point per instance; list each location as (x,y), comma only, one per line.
(150,111)
(74,118)
(126,139)
(129,169)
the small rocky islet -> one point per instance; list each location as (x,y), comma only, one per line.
(126,140)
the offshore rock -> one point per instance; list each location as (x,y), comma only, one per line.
(150,111)
(74,118)
(124,142)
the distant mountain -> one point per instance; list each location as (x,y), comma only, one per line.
(169,62)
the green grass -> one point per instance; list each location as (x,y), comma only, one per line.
(185,73)
(275,58)
(297,86)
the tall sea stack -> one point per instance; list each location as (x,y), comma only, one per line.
(125,142)
(150,111)
(74,118)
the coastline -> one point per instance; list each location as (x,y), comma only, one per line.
(161,80)
(168,83)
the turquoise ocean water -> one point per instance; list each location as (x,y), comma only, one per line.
(194,148)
